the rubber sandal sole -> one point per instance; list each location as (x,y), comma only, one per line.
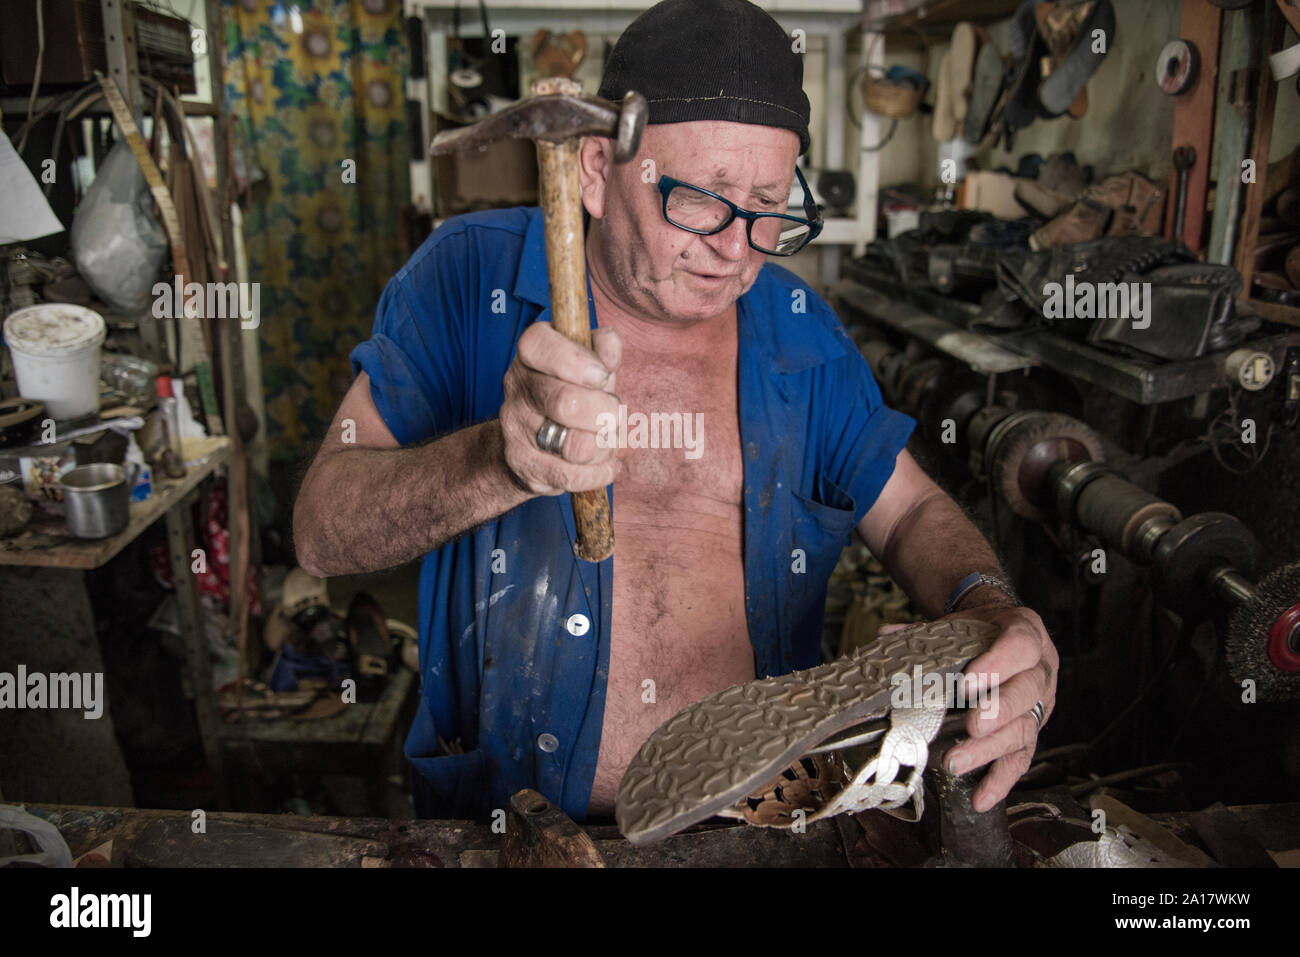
(720,749)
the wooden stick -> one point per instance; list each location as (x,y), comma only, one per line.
(566,267)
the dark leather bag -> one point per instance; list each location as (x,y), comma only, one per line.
(1191,303)
(1187,301)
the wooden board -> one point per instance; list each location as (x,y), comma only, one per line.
(1291,10)
(416,843)
(168,842)
(1276,312)
(49,545)
(1194,118)
(1266,102)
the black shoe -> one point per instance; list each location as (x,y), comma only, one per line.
(373,660)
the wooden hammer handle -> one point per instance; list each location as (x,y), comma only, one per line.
(566,266)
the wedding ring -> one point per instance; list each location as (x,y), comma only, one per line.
(550,437)
(1038,712)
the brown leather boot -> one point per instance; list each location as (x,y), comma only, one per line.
(1124,222)
(1084,221)
(1133,191)
(1060,182)
(1043,200)
(1148,200)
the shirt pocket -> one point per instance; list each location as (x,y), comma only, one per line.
(830,514)
(820,532)
(456,786)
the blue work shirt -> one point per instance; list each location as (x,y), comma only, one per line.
(514,628)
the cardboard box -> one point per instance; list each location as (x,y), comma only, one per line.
(503,174)
(993,193)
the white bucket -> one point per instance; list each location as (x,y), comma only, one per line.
(55,347)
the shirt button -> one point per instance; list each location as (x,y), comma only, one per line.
(548,742)
(578,625)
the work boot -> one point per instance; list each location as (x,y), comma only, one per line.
(1060,182)
(374,660)
(1134,192)
(1084,221)
(1124,222)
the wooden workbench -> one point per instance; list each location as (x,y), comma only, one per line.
(46,543)
(151,838)
(359,741)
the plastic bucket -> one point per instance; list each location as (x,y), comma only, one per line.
(55,347)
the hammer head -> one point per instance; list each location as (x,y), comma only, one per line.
(557,112)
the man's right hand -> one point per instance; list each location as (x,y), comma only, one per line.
(557,379)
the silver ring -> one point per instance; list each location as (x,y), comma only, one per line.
(550,437)
(1038,713)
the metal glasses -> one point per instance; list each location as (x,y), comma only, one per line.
(697,210)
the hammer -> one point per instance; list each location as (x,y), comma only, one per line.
(557,116)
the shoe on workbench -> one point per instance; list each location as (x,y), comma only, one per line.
(373,655)
(713,756)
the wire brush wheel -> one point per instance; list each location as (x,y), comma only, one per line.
(1263,643)
(1025,452)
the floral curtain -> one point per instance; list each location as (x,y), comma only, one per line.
(319,87)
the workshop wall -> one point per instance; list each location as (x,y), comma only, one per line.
(1129,124)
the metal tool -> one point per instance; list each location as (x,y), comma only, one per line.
(557,116)
(1184,160)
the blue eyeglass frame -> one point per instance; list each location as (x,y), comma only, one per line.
(814,221)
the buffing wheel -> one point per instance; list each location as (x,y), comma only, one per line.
(1263,641)
(1022,451)
(1189,551)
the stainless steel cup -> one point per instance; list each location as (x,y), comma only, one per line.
(96,500)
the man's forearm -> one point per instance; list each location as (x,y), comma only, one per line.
(362,510)
(935,546)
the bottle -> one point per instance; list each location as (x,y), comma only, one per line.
(142,488)
(173,458)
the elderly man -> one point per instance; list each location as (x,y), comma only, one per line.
(471,416)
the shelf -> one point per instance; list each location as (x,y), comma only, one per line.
(933,14)
(15,107)
(47,544)
(506,7)
(839,231)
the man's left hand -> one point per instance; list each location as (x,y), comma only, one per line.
(1018,671)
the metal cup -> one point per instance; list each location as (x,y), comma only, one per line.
(96,500)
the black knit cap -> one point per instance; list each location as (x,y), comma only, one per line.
(710,60)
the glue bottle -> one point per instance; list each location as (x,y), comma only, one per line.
(173,458)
